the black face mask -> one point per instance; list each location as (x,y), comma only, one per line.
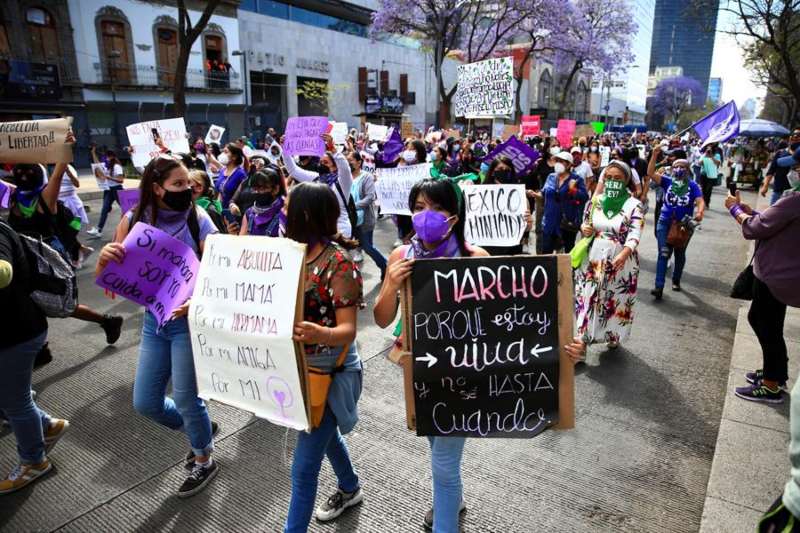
(503,176)
(322,170)
(178,201)
(263,199)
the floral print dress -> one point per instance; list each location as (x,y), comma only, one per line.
(604,298)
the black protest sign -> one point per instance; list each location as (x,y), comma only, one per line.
(485,339)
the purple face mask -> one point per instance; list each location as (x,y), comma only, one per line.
(431,226)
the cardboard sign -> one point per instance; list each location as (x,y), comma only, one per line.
(142,135)
(510,130)
(605,155)
(36,141)
(302,136)
(214,134)
(485,337)
(241,319)
(584,130)
(565,132)
(128,198)
(376,132)
(158,271)
(339,132)
(522,155)
(393,186)
(531,125)
(485,89)
(406,130)
(495,214)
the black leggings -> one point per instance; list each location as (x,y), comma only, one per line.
(766,317)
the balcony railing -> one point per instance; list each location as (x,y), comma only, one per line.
(153,77)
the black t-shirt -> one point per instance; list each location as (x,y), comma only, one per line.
(21,318)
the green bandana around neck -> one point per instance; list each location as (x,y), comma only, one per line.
(679,188)
(615,195)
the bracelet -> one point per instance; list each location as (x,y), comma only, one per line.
(736,210)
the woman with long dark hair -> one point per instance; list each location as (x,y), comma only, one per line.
(266,217)
(231,172)
(165,353)
(333,294)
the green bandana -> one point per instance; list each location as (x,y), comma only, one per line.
(27,212)
(204,202)
(679,188)
(614,197)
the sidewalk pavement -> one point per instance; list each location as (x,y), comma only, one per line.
(751,458)
(89,190)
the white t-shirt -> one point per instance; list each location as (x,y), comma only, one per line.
(67,188)
(584,170)
(116,172)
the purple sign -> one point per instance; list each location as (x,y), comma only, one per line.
(128,198)
(303,136)
(158,271)
(5,195)
(522,155)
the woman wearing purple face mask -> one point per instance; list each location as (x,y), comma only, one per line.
(682,196)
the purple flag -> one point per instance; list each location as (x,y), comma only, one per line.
(128,198)
(5,195)
(303,136)
(719,125)
(158,271)
(392,147)
(522,155)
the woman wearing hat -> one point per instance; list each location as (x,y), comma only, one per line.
(605,284)
(564,197)
(682,198)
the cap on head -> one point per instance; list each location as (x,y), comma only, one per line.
(563,156)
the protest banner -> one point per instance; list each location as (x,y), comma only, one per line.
(498,127)
(214,134)
(531,125)
(248,296)
(483,340)
(158,271)
(302,136)
(367,163)
(100,173)
(566,129)
(553,132)
(128,198)
(605,155)
(406,129)
(598,127)
(339,132)
(495,214)
(394,184)
(142,139)
(485,89)
(522,155)
(36,141)
(376,132)
(584,130)
(510,130)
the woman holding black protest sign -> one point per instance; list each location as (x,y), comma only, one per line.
(165,352)
(333,294)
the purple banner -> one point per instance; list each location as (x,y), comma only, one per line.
(158,271)
(128,198)
(5,195)
(303,136)
(522,155)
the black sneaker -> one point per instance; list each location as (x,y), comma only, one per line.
(189,459)
(778,519)
(758,376)
(198,479)
(112,325)
(336,504)
(676,287)
(428,520)
(43,357)
(658,293)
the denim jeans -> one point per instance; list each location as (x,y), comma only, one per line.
(775,196)
(664,253)
(446,453)
(311,448)
(109,197)
(27,421)
(163,355)
(365,238)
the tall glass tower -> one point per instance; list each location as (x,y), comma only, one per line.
(683,35)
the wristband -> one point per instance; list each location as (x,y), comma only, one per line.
(736,210)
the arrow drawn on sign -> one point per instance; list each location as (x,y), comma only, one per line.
(430,359)
(535,351)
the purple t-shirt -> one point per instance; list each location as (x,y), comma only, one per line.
(227,185)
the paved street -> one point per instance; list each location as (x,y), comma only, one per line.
(638,460)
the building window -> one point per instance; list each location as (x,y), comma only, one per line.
(166,40)
(216,56)
(116,46)
(43,35)
(545,89)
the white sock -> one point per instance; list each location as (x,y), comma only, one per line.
(206,464)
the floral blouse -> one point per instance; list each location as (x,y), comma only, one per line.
(333,281)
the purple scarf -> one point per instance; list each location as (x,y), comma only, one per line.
(266,220)
(447,248)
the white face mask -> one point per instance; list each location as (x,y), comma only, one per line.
(560,168)
(410,156)
(793,178)
(223,159)
(554,150)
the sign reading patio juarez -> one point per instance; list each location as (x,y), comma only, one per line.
(485,341)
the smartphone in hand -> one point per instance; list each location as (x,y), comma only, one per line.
(156,136)
(732,188)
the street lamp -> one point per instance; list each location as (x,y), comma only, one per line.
(245,77)
(113,55)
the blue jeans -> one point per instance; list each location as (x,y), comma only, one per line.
(311,448)
(664,253)
(109,197)
(165,355)
(365,238)
(27,421)
(775,196)
(446,453)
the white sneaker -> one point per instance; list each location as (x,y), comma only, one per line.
(94,232)
(336,504)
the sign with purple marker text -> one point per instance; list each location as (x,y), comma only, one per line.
(158,271)
(303,136)
(241,320)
